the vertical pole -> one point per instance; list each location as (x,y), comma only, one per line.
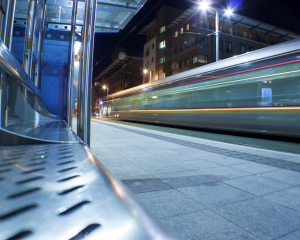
(38,81)
(6,35)
(27,56)
(217,36)
(86,70)
(71,65)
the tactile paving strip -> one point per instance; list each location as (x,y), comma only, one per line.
(275,162)
(61,191)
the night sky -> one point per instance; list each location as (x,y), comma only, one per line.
(280,13)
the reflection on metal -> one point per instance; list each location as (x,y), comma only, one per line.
(86,72)
(67,27)
(71,66)
(12,67)
(58,190)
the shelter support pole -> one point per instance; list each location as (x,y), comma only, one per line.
(71,65)
(86,72)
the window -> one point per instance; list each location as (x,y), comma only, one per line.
(175,49)
(147,52)
(181,30)
(250,36)
(152,45)
(187,27)
(244,34)
(221,45)
(162,44)
(208,26)
(193,41)
(180,64)
(127,75)
(229,47)
(161,60)
(251,49)
(176,34)
(203,40)
(162,29)
(126,85)
(202,59)
(180,47)
(230,31)
(236,32)
(187,44)
(195,59)
(152,59)
(161,75)
(187,62)
(243,49)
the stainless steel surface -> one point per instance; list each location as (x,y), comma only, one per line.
(12,67)
(71,66)
(86,72)
(27,57)
(55,191)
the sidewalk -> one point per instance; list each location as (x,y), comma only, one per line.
(203,189)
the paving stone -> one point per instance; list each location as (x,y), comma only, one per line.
(257,185)
(222,173)
(197,164)
(291,236)
(215,194)
(289,197)
(263,218)
(285,176)
(167,203)
(145,185)
(254,168)
(205,225)
(186,181)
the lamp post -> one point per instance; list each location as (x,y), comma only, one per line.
(205,5)
(107,88)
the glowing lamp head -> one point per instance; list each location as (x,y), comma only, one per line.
(228,12)
(104,87)
(204,5)
(145,71)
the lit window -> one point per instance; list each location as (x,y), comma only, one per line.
(176,34)
(162,44)
(202,59)
(188,27)
(161,75)
(195,59)
(187,62)
(162,29)
(181,30)
(162,60)
(230,31)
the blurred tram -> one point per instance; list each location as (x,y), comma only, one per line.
(255,92)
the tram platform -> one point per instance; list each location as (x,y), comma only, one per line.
(204,189)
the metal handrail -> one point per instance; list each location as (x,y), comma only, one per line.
(12,67)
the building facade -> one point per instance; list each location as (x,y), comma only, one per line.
(121,74)
(181,40)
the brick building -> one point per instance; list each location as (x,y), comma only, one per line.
(118,76)
(181,40)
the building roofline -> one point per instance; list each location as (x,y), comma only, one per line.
(116,65)
(148,26)
(239,19)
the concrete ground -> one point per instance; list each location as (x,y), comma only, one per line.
(204,189)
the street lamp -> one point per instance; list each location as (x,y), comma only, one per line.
(104,87)
(146,71)
(205,5)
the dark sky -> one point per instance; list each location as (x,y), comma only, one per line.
(280,13)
